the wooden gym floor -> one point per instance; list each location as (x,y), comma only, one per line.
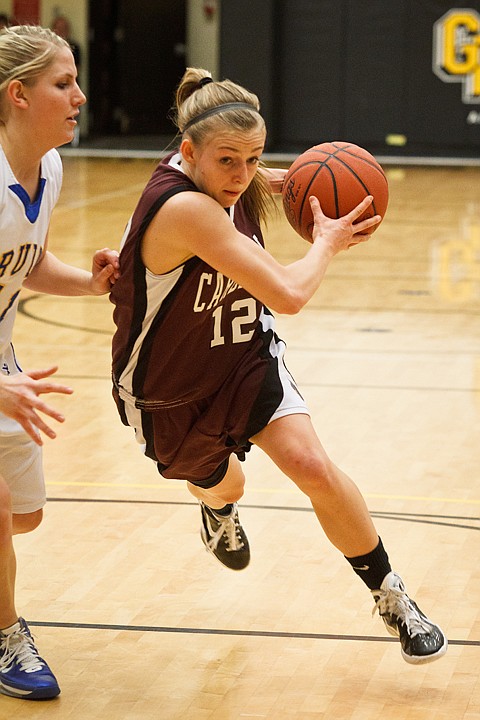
(137,620)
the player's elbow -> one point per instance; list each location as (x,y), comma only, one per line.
(289,302)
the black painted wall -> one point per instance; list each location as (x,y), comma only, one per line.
(357,70)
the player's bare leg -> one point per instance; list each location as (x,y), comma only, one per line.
(23,673)
(293,445)
(8,565)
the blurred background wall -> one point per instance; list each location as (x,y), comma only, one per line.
(397,77)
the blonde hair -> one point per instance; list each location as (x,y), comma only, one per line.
(196,95)
(25,52)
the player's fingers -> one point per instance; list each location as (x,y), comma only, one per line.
(110,255)
(108,273)
(108,258)
(316,207)
(43,373)
(47,410)
(43,388)
(360,239)
(43,427)
(368,224)
(360,208)
(31,430)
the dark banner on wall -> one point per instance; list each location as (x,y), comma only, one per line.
(398,77)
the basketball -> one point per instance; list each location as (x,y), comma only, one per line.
(340,175)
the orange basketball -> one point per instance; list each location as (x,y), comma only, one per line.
(340,175)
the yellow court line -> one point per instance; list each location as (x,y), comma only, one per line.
(181,487)
(426,498)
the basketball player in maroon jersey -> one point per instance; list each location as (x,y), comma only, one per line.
(198,369)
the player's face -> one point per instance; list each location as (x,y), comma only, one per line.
(224,166)
(54,100)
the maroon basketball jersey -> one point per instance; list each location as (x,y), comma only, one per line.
(181,335)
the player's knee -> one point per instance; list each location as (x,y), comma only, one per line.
(27,522)
(231,488)
(234,495)
(230,493)
(314,472)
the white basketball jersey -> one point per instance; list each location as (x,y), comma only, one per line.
(23,231)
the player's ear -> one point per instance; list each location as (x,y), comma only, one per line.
(187,149)
(16,94)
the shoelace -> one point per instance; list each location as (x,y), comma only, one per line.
(231,527)
(396,602)
(19,647)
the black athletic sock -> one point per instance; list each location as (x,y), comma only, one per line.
(372,567)
(225,511)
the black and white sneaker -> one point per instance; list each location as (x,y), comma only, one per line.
(224,537)
(420,639)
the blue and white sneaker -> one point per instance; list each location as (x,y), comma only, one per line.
(23,673)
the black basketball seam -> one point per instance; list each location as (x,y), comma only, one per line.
(358,178)
(347,150)
(374,165)
(289,177)
(306,196)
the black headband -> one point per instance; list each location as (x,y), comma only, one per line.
(219,109)
(204,81)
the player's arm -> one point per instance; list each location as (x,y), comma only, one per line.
(275,177)
(55,277)
(193,224)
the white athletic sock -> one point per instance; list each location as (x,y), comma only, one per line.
(9,630)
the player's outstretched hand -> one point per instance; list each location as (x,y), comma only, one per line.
(343,232)
(20,400)
(105,271)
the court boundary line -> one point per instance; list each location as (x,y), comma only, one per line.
(226,632)
(422,518)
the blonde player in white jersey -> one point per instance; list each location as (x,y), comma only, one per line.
(39,104)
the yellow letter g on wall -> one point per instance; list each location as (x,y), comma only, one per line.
(456,51)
